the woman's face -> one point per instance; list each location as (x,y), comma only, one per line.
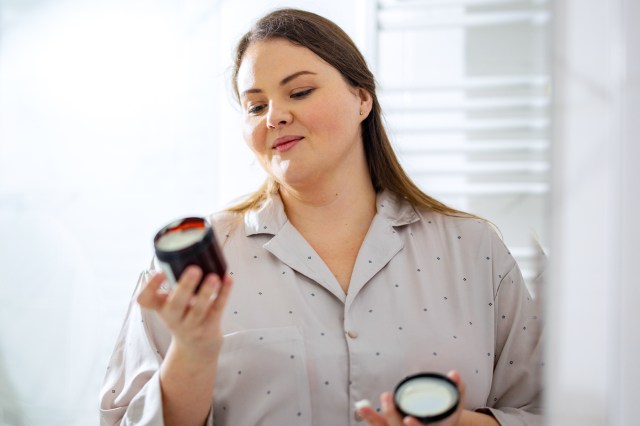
(301,118)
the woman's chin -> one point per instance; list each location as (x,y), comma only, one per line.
(296,181)
(289,174)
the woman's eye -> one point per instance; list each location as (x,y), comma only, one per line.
(255,109)
(301,94)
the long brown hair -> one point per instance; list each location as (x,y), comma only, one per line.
(333,45)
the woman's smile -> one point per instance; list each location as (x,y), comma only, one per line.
(285,143)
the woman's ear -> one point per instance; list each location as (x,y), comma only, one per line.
(366,102)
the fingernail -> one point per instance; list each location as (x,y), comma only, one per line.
(192,272)
(213,283)
(362,403)
(385,404)
(387,401)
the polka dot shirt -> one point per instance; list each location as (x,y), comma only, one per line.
(428,293)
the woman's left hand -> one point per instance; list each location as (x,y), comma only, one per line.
(390,416)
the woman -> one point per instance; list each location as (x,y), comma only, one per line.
(347,277)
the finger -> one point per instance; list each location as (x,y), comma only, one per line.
(455,376)
(366,411)
(149,297)
(179,298)
(411,421)
(457,379)
(203,300)
(389,409)
(223,295)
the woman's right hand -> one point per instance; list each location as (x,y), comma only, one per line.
(192,318)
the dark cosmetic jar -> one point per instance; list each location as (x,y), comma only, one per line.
(188,241)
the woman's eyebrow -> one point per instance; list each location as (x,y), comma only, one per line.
(295,75)
(284,81)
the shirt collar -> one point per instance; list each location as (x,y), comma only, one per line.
(270,217)
(396,209)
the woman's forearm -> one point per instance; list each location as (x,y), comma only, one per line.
(187,388)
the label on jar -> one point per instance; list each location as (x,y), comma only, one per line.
(171,279)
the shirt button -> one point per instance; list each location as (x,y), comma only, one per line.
(353,334)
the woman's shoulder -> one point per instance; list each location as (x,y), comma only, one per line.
(461,221)
(401,211)
(470,234)
(467,229)
(221,217)
(224,222)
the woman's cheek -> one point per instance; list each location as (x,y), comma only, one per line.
(251,135)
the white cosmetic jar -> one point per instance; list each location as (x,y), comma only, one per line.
(429,397)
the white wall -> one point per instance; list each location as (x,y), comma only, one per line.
(626,374)
(103,106)
(592,297)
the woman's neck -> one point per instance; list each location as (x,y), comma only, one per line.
(334,219)
(348,205)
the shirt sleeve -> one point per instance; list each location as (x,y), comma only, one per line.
(515,396)
(131,393)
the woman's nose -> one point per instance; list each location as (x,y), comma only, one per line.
(277,116)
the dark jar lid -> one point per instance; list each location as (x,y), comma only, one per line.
(181,237)
(429,397)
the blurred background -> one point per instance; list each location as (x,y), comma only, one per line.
(117,117)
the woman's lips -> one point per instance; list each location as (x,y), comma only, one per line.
(285,143)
